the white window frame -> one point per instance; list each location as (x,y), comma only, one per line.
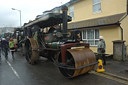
(90,39)
(94,4)
(71,11)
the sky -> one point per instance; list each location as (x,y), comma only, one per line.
(29,10)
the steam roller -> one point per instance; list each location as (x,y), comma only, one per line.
(73,59)
(76,61)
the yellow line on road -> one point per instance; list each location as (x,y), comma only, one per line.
(111,76)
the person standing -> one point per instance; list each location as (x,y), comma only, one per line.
(4,44)
(12,46)
(101,49)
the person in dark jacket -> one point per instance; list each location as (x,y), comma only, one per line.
(5,46)
(101,49)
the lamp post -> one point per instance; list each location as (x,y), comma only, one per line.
(20,14)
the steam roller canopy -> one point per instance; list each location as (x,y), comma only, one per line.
(80,59)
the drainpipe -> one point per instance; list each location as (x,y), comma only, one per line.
(121,32)
(122,20)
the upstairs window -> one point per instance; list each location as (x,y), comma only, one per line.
(96,6)
(91,36)
(71,11)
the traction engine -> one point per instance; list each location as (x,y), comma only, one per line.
(68,54)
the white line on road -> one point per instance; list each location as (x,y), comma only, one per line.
(13,70)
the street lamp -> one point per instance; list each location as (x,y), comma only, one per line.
(20,14)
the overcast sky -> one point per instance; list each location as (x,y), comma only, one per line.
(29,10)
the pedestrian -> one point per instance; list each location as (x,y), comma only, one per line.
(4,44)
(12,46)
(101,49)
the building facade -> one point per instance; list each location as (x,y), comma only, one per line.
(107,18)
(6,30)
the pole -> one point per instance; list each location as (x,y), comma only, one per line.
(20,15)
(20,18)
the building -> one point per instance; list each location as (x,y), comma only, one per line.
(6,30)
(99,17)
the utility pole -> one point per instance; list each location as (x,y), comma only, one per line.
(20,14)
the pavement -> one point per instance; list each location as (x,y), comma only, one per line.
(117,67)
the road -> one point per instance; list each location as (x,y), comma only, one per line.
(18,72)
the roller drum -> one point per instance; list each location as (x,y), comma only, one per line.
(77,58)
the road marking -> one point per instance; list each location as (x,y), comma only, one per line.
(111,76)
(14,71)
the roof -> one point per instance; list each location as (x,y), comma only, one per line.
(102,21)
(47,20)
(71,2)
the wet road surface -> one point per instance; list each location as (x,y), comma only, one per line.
(18,72)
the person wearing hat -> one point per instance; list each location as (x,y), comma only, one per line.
(101,49)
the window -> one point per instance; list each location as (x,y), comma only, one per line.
(91,36)
(71,11)
(96,6)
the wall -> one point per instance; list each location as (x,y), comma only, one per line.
(124,25)
(83,9)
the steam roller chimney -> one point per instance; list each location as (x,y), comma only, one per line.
(64,10)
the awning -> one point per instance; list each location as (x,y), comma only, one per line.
(102,21)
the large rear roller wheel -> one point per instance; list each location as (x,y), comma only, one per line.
(81,60)
(31,51)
